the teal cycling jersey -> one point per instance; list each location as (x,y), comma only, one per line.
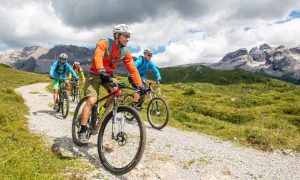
(143,66)
(58,70)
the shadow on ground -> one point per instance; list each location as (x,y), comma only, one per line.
(67,145)
(50,112)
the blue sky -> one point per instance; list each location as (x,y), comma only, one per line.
(292,15)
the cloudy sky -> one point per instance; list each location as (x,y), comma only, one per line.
(178,31)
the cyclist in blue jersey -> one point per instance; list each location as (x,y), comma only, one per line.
(59,69)
(143,65)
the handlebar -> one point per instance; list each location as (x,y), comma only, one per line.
(123,86)
(60,79)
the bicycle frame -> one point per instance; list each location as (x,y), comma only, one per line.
(62,86)
(150,91)
(116,95)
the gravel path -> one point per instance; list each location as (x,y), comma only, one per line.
(169,154)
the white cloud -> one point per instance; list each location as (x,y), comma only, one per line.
(188,38)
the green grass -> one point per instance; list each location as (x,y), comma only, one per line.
(256,110)
(24,155)
(236,105)
(200,73)
(258,114)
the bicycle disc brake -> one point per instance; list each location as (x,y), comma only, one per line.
(122,138)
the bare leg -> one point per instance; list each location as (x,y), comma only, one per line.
(55,96)
(136,97)
(87,109)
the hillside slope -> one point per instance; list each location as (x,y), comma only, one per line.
(201,73)
(24,155)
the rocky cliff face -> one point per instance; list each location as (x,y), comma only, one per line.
(12,57)
(39,59)
(280,62)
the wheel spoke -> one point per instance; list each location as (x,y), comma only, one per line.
(122,150)
(158,113)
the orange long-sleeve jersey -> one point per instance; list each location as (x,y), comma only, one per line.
(108,64)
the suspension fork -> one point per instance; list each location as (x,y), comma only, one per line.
(115,110)
(122,123)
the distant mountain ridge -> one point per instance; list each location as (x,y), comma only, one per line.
(38,59)
(279,62)
(202,73)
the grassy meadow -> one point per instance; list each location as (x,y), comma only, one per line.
(235,105)
(243,107)
(24,155)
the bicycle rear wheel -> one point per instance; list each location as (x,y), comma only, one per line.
(158,113)
(121,153)
(77,118)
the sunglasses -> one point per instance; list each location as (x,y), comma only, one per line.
(150,55)
(127,36)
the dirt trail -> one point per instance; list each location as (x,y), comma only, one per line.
(169,154)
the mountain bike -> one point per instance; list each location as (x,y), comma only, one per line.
(63,100)
(121,143)
(158,111)
(75,90)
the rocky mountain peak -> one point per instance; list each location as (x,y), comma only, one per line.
(264,46)
(232,56)
(34,52)
(295,50)
(273,61)
(74,53)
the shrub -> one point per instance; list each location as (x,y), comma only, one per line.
(233,117)
(257,137)
(189,91)
(295,121)
(292,110)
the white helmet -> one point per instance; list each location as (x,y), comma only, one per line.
(148,51)
(76,63)
(120,28)
(63,56)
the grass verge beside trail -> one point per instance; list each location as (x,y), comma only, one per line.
(263,114)
(24,155)
(250,109)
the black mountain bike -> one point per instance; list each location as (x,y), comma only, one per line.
(121,143)
(158,111)
(75,90)
(63,100)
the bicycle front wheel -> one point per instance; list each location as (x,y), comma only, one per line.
(121,143)
(59,102)
(65,105)
(158,113)
(73,93)
(77,94)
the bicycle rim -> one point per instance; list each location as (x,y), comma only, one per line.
(73,94)
(59,103)
(122,155)
(158,113)
(76,121)
(77,94)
